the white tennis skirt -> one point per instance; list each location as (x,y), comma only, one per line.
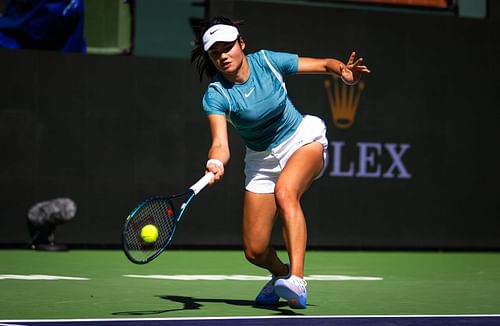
(262,168)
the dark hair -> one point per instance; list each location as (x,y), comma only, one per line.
(199,56)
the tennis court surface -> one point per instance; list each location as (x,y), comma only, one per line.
(189,287)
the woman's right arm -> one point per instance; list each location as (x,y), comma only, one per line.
(219,148)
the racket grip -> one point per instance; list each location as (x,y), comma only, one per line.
(202,183)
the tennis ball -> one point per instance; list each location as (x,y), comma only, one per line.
(149,233)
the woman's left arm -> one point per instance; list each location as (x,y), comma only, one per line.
(350,72)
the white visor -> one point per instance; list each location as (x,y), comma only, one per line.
(219,33)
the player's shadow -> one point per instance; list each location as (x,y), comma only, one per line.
(190,303)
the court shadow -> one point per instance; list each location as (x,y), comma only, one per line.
(190,303)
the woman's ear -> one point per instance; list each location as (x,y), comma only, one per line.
(242,43)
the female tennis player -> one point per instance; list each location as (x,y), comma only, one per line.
(285,150)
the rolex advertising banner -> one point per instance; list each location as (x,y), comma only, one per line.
(412,157)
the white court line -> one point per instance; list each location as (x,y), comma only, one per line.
(39,277)
(252,277)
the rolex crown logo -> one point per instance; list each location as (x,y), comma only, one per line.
(343,102)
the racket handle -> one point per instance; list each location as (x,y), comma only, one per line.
(202,183)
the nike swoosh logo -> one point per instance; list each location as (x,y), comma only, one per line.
(251,91)
(212,32)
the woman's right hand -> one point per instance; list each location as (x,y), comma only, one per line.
(217,168)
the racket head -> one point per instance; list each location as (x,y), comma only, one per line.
(158,211)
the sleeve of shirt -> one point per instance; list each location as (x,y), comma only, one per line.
(214,102)
(285,63)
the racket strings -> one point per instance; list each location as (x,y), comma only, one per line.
(158,212)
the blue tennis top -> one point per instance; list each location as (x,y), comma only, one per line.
(259,108)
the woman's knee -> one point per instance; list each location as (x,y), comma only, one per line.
(285,198)
(255,253)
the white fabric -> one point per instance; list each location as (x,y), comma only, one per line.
(202,183)
(215,161)
(262,169)
(219,33)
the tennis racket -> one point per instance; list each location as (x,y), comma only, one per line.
(164,212)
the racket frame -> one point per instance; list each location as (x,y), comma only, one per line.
(189,195)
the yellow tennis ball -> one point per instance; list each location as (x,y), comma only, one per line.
(149,233)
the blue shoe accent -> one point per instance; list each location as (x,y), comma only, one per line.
(293,289)
(267,296)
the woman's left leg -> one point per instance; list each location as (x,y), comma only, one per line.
(297,175)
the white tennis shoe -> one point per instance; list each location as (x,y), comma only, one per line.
(293,289)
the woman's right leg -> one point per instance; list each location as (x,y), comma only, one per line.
(259,215)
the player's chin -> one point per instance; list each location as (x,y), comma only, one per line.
(227,68)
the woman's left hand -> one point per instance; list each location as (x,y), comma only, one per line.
(352,71)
